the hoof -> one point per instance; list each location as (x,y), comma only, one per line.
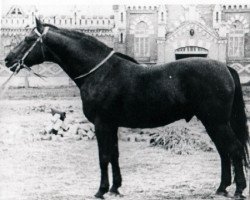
(223,193)
(239,197)
(99,195)
(115,192)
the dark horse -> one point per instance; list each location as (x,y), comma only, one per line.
(117,92)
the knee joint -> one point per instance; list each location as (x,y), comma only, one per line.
(104,159)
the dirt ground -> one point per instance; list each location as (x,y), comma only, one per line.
(67,169)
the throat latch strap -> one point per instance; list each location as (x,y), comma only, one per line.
(97,66)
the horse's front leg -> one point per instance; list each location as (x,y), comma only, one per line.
(104,134)
(117,179)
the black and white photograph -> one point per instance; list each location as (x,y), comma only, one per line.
(124,100)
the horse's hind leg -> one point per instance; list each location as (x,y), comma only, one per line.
(225,173)
(104,135)
(225,169)
(239,177)
(230,149)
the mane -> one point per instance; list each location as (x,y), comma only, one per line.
(126,57)
(80,35)
(51,26)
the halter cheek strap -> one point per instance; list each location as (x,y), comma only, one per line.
(39,39)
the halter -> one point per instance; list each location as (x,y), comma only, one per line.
(97,66)
(20,63)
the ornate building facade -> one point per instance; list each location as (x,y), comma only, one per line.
(150,34)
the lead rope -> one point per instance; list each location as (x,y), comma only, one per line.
(97,66)
(5,85)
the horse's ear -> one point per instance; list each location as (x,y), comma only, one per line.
(39,25)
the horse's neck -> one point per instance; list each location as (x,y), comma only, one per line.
(72,57)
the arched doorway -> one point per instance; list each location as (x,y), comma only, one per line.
(190,51)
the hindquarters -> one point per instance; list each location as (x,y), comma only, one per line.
(209,89)
(218,102)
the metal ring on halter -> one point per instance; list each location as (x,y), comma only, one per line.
(21,62)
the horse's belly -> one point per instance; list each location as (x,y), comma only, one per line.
(152,119)
(145,123)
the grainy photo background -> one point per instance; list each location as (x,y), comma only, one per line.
(177,161)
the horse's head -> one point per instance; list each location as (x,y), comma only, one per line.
(29,51)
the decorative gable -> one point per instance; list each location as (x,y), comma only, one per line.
(15,11)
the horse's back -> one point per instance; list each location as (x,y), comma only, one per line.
(181,89)
(186,77)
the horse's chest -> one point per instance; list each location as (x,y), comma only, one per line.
(97,105)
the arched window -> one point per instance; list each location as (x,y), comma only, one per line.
(162,16)
(141,42)
(13,11)
(121,17)
(217,16)
(121,38)
(236,40)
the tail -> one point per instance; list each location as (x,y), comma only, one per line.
(238,117)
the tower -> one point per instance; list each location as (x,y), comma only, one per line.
(217,16)
(120,18)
